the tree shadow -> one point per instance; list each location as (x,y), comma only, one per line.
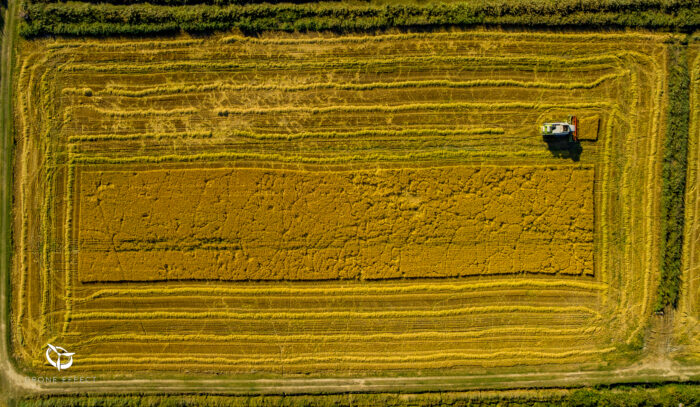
(561,147)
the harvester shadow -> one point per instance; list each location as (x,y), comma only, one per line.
(562,148)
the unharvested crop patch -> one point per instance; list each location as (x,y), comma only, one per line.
(256,224)
(299,204)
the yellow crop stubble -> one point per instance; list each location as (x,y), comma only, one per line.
(433,221)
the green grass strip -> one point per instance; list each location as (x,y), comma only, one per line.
(674,177)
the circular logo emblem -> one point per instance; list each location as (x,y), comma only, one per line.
(58,357)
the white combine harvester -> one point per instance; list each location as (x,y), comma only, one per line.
(561,129)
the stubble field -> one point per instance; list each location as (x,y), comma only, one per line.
(337,205)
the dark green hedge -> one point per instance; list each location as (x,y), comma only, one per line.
(80,19)
(502,7)
(184,2)
(674,174)
(668,395)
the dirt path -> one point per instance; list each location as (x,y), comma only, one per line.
(11,382)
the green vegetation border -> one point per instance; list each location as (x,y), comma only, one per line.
(674,176)
(664,395)
(88,19)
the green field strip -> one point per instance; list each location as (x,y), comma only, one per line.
(184,88)
(349,290)
(329,314)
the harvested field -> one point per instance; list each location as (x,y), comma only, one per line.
(296,204)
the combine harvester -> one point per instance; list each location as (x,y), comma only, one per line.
(561,129)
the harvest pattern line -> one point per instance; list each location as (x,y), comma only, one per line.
(183,88)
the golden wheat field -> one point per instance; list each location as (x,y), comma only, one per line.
(336,204)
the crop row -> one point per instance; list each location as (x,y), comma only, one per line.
(341,337)
(361,289)
(349,108)
(289,136)
(291,158)
(335,367)
(447,356)
(541,63)
(330,314)
(184,88)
